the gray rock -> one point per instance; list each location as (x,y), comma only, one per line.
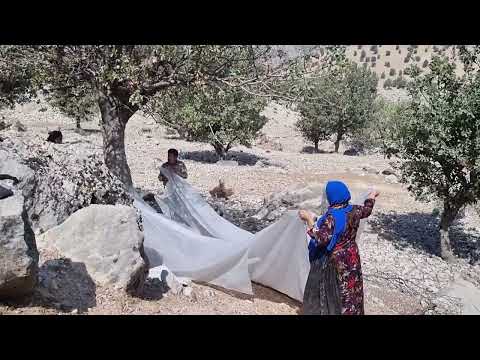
(297,197)
(108,240)
(370,170)
(388,172)
(351,152)
(18,251)
(57,181)
(169,281)
(20,127)
(391,179)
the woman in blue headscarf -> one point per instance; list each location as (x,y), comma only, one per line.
(335,283)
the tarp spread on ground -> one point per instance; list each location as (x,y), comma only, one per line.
(193,241)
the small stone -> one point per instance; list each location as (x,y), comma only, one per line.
(391,179)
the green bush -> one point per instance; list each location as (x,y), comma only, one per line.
(387,84)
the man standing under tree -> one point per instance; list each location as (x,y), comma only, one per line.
(174,165)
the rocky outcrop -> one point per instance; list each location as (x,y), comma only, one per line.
(18,252)
(57,180)
(108,240)
(298,197)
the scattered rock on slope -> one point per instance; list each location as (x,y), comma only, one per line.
(108,240)
(58,180)
(18,252)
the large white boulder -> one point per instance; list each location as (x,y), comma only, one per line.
(18,252)
(108,240)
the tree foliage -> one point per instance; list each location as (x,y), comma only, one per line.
(17,75)
(439,140)
(222,117)
(382,129)
(338,101)
(122,79)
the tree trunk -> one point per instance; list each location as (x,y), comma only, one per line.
(115,116)
(220,150)
(316,146)
(78,124)
(337,144)
(448,216)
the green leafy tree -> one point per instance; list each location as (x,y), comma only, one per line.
(439,141)
(122,79)
(382,129)
(221,117)
(17,76)
(337,102)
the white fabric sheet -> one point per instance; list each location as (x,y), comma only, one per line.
(193,241)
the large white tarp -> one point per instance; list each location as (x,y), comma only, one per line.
(193,241)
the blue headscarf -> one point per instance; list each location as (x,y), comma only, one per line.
(337,194)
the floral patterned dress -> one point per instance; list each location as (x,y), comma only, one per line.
(345,258)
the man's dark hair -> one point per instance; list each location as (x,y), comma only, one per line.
(173,151)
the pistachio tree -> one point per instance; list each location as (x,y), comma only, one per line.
(439,139)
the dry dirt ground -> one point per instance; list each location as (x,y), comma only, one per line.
(147,144)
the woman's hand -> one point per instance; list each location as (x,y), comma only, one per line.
(373,195)
(307,217)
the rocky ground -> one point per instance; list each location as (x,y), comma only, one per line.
(403,273)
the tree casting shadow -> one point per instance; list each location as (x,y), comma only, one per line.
(420,230)
(210,157)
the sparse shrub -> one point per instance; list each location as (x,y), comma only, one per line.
(374,64)
(426,49)
(374,49)
(415,51)
(387,64)
(364,65)
(407,59)
(322,51)
(392,72)
(400,73)
(355,53)
(387,84)
(378,56)
(435,48)
(367,59)
(387,53)
(383,75)
(425,64)
(417,58)
(397,47)
(363,54)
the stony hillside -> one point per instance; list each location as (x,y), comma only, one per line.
(403,273)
